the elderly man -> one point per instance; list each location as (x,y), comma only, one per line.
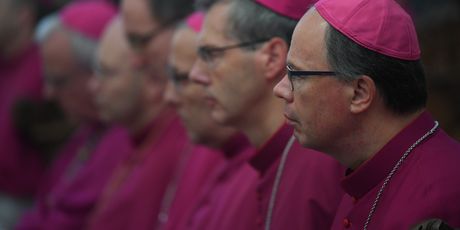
(129,91)
(84,164)
(227,198)
(355,89)
(242,53)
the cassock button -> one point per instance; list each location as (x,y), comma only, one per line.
(346,223)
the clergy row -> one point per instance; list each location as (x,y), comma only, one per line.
(244,114)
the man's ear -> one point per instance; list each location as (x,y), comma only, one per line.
(272,58)
(364,93)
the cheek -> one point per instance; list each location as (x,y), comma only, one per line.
(232,87)
(239,88)
(217,79)
(193,98)
(112,90)
(124,89)
(71,94)
(193,93)
(320,107)
(73,104)
(80,89)
(219,87)
(187,104)
(306,103)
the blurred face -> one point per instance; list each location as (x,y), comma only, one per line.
(150,42)
(187,96)
(147,37)
(117,86)
(233,87)
(316,106)
(65,80)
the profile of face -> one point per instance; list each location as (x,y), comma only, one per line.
(150,42)
(117,86)
(316,105)
(230,76)
(66,79)
(186,96)
(148,38)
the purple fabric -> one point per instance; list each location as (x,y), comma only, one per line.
(74,183)
(425,186)
(133,198)
(21,166)
(229,200)
(379,25)
(293,9)
(88,17)
(201,167)
(195,21)
(309,191)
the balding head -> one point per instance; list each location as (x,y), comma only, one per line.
(113,47)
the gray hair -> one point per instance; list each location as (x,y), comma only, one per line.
(249,21)
(401,83)
(83,48)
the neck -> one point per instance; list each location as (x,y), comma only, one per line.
(263,121)
(219,138)
(372,135)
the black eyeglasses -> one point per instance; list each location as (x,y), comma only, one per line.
(292,74)
(208,53)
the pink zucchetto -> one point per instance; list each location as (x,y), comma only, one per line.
(293,9)
(195,21)
(88,17)
(379,25)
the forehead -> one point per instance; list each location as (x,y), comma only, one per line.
(136,16)
(113,47)
(184,45)
(56,52)
(215,24)
(308,47)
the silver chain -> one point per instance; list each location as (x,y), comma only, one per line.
(393,171)
(279,174)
